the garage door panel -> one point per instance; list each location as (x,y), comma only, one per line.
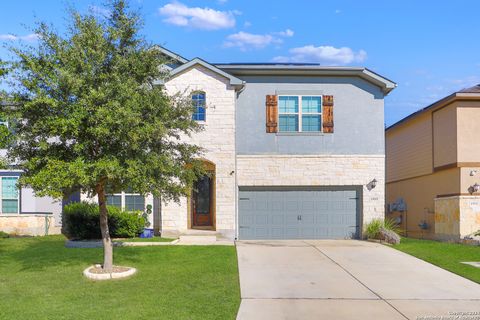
(291,219)
(321,219)
(278,220)
(262,219)
(307,218)
(278,233)
(298,214)
(292,205)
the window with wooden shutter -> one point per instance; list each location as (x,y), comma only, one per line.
(272,114)
(327,114)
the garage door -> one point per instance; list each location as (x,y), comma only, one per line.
(298,213)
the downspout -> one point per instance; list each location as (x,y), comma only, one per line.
(236,175)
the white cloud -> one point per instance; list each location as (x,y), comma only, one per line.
(323,54)
(286,33)
(10,37)
(178,14)
(245,40)
(222,1)
(99,11)
(466,82)
(247,24)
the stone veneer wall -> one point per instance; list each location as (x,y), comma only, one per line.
(314,170)
(218,140)
(456,217)
(28,224)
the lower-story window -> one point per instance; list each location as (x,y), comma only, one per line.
(127,201)
(9,195)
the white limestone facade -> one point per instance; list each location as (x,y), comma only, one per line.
(218,141)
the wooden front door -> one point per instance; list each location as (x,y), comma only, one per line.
(202,202)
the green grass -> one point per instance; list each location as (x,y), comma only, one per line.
(154,239)
(41,279)
(445,255)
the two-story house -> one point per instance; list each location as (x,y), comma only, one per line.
(294,151)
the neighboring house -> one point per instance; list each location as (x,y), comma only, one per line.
(21,212)
(433,168)
(294,151)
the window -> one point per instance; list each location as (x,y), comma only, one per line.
(10,195)
(114,200)
(198,99)
(300,113)
(127,201)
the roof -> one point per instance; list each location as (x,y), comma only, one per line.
(464,94)
(385,84)
(474,89)
(171,54)
(230,70)
(234,81)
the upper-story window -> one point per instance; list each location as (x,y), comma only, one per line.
(199,103)
(300,113)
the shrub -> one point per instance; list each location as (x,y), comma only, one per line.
(81,220)
(4,235)
(373,228)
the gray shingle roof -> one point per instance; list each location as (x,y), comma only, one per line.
(474,89)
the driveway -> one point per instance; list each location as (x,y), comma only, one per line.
(346,279)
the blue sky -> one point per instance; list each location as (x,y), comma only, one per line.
(430,48)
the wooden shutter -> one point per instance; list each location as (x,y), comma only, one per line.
(327,114)
(271,113)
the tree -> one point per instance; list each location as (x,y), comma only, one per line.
(91,118)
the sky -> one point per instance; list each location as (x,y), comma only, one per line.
(429,48)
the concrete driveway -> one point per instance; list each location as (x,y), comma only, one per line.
(336,279)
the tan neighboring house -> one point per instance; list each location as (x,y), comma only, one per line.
(433,168)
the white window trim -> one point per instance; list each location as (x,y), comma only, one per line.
(122,198)
(1,197)
(300,113)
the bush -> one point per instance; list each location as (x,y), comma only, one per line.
(4,235)
(81,220)
(373,228)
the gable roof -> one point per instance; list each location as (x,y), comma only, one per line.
(234,81)
(174,56)
(385,84)
(229,70)
(474,89)
(472,93)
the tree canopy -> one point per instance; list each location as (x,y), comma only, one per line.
(91,114)
(90,118)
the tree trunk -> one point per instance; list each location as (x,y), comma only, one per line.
(107,242)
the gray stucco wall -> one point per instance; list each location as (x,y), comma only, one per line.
(358,117)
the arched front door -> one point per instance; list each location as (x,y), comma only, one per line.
(203,200)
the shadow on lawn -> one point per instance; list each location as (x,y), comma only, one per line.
(38,253)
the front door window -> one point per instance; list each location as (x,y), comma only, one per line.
(202,202)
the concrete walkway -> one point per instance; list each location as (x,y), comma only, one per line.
(346,280)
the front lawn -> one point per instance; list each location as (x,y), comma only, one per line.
(445,255)
(41,279)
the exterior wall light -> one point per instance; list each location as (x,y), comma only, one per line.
(476,187)
(372,184)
